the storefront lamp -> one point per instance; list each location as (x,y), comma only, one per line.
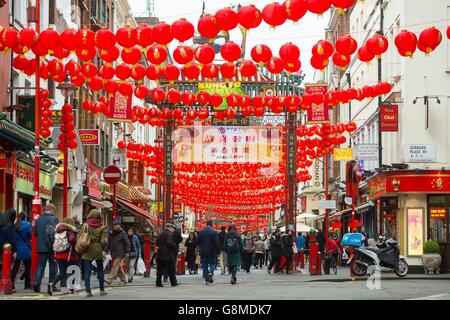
(396,184)
(67,88)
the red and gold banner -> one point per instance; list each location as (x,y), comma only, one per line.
(389,118)
(93,180)
(135,173)
(90,137)
(120,108)
(318,113)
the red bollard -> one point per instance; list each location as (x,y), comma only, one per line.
(302,259)
(6,286)
(181,269)
(147,252)
(315,260)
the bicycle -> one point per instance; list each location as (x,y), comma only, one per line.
(332,262)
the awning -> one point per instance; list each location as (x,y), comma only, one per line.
(18,135)
(363,207)
(136,211)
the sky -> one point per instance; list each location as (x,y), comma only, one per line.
(304,34)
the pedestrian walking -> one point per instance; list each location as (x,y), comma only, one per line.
(275,251)
(64,248)
(233,246)
(165,255)
(223,254)
(191,245)
(23,245)
(259,252)
(135,252)
(44,231)
(119,247)
(287,250)
(95,231)
(266,249)
(247,252)
(7,233)
(209,248)
(300,243)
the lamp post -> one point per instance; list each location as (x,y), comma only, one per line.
(67,90)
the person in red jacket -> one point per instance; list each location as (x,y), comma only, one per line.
(64,248)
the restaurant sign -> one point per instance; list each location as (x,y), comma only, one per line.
(25,181)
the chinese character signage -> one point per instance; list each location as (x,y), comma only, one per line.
(25,181)
(93,180)
(389,118)
(318,113)
(120,108)
(135,173)
(89,137)
(415,231)
(25,117)
(342,154)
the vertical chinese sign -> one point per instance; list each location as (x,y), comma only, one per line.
(120,108)
(93,180)
(318,113)
(135,173)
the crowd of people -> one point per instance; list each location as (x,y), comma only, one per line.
(66,243)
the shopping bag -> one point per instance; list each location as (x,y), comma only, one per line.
(294,248)
(141,266)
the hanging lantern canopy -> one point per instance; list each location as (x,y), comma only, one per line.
(123,71)
(126,37)
(156,54)
(377,45)
(144,35)
(191,72)
(138,72)
(346,45)
(228,70)
(154,72)
(27,38)
(295,9)
(318,7)
(365,55)
(171,72)
(429,40)
(68,39)
(289,52)
(204,54)
(323,49)
(340,60)
(85,39)
(210,71)
(109,55)
(274,14)
(275,65)
(207,26)
(107,72)
(226,19)
(406,43)
(188,98)
(249,17)
(131,55)
(230,51)
(183,54)
(182,30)
(248,69)
(126,89)
(261,54)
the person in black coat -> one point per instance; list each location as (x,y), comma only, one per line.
(7,232)
(209,247)
(191,245)
(275,251)
(177,239)
(164,256)
(287,251)
(223,255)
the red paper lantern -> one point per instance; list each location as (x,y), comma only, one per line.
(144,35)
(178,114)
(203,114)
(295,9)
(9,38)
(173,96)
(207,26)
(249,17)
(105,39)
(171,72)
(248,69)
(191,114)
(162,33)
(323,49)
(210,71)
(123,71)
(342,4)
(107,72)
(27,38)
(183,54)
(191,72)
(292,67)
(274,14)
(203,98)
(188,98)
(406,43)
(259,111)
(230,113)
(86,54)
(383,88)
(85,39)
(89,69)
(60,53)
(182,30)
(109,55)
(126,37)
(156,54)
(275,65)
(289,52)
(158,95)
(131,55)
(261,54)
(126,89)
(138,72)
(230,51)
(341,60)
(429,40)
(233,100)
(365,55)
(215,100)
(318,6)
(55,66)
(204,54)
(111,86)
(141,92)
(228,70)
(96,83)
(350,127)
(48,38)
(68,39)
(121,145)
(154,72)
(19,62)
(377,45)
(166,113)
(226,19)
(346,45)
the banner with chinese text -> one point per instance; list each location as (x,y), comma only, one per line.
(120,108)
(318,113)
(135,173)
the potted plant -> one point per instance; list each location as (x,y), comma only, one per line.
(431,259)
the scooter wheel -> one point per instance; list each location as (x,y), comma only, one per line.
(358,269)
(402,269)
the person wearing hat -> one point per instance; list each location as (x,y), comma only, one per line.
(119,247)
(166,247)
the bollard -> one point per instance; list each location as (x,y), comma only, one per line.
(181,268)
(315,260)
(6,286)
(147,252)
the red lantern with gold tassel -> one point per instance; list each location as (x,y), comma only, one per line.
(228,70)
(377,45)
(207,26)
(226,19)
(274,14)
(429,40)
(210,71)
(105,39)
(406,43)
(365,55)
(261,54)
(68,39)
(295,9)
(182,30)
(318,7)
(85,39)
(183,54)
(249,17)
(346,45)
(109,55)
(204,54)
(342,4)
(323,49)
(230,51)
(162,33)
(191,72)
(275,65)
(248,69)
(131,55)
(126,37)
(144,35)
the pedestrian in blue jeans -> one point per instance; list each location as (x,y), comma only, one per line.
(209,248)
(45,246)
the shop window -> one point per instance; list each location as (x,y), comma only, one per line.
(438,219)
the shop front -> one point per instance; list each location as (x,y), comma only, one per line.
(412,206)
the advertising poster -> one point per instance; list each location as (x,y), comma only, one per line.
(90,137)
(318,113)
(120,108)
(415,232)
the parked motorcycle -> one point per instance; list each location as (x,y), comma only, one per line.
(385,257)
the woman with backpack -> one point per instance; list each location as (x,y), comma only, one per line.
(64,248)
(233,247)
(249,248)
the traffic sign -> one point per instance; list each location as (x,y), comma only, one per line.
(327,204)
(112,175)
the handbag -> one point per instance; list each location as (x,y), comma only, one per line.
(197,259)
(294,248)
(84,240)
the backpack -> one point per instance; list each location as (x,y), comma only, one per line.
(232,245)
(50,230)
(61,242)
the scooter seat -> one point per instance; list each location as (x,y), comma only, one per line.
(376,250)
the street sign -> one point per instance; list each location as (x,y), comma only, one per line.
(367,152)
(421,153)
(327,204)
(112,175)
